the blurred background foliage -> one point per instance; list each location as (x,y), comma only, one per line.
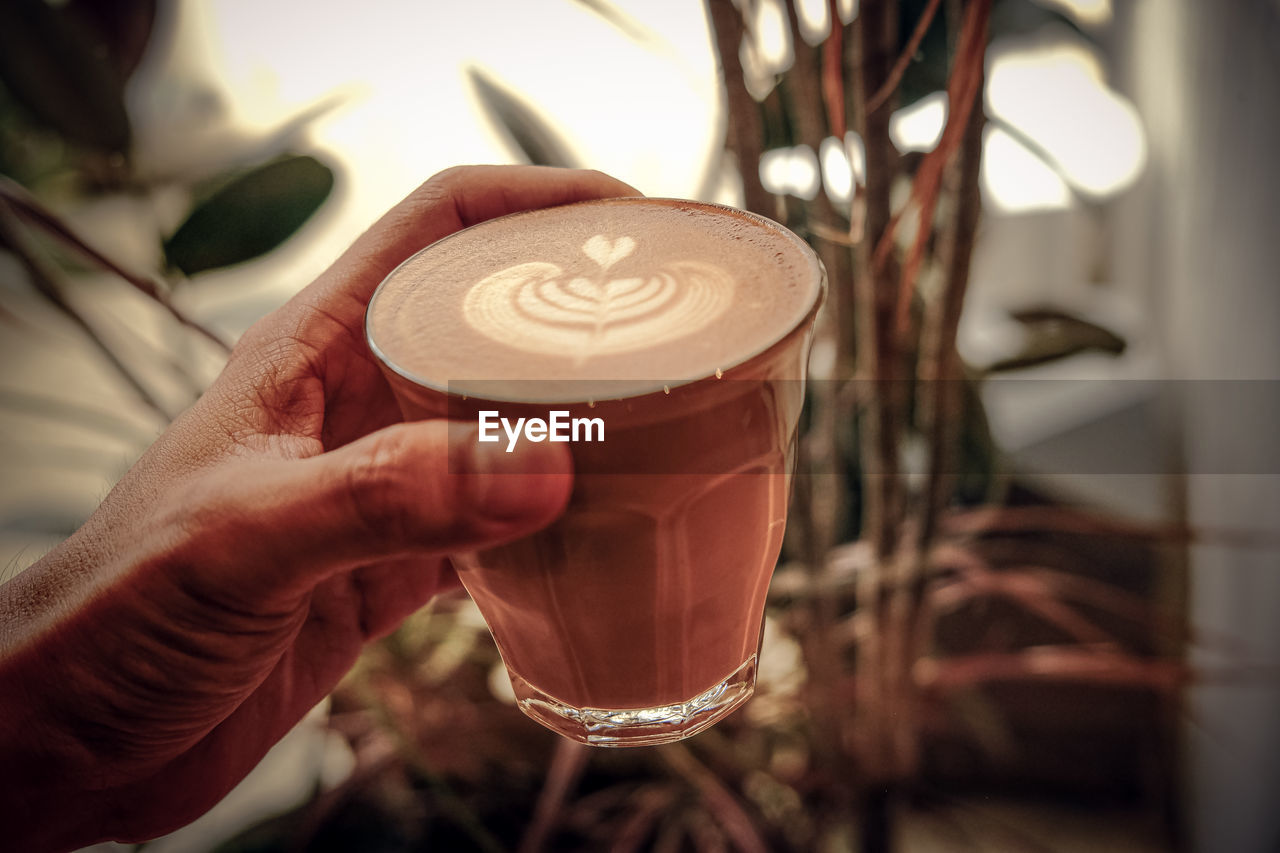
(1034,607)
(66,139)
(1034,659)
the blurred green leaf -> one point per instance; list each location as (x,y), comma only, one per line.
(56,68)
(1053,335)
(532,135)
(123,26)
(251,155)
(251,215)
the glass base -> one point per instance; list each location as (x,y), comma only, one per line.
(638,726)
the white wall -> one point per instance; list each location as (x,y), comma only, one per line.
(1204,234)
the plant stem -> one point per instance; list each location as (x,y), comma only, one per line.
(937,363)
(939,371)
(815,108)
(904,59)
(873,37)
(833,73)
(720,801)
(744,135)
(877,820)
(45,281)
(567,764)
(25,206)
(452,805)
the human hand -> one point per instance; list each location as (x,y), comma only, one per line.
(233,575)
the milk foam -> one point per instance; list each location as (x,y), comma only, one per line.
(623,289)
(542,308)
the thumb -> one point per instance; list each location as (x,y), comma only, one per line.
(420,488)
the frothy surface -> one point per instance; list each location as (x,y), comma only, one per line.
(638,290)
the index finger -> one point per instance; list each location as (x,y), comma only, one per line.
(449,201)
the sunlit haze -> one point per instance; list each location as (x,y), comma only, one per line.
(1056,95)
(642,104)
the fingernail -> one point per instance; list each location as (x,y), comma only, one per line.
(531,480)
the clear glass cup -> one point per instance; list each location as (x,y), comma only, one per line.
(636,618)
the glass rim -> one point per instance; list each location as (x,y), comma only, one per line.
(644,387)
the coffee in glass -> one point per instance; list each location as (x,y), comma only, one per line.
(665,341)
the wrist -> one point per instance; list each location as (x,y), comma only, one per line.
(49,800)
(45,804)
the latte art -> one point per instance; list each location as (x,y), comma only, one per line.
(537,307)
(597,299)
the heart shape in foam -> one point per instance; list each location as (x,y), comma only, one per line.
(606,252)
(534,306)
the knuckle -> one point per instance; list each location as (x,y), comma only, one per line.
(444,184)
(450,176)
(262,342)
(374,489)
(388,497)
(439,196)
(249,342)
